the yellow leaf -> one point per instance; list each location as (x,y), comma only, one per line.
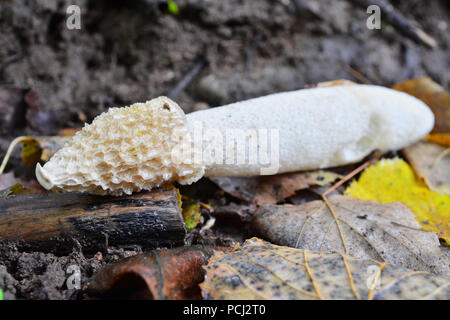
(31,151)
(394,180)
(13,190)
(192,215)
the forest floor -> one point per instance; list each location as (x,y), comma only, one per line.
(131,51)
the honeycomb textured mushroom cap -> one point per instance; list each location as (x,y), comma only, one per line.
(124,150)
(130,149)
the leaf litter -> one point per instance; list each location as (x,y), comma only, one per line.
(430,166)
(272,189)
(434,96)
(391,180)
(261,270)
(159,274)
(363,229)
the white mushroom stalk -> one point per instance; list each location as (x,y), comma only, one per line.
(143,146)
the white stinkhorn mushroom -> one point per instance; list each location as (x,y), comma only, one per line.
(140,147)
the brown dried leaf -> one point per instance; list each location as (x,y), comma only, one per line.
(272,189)
(424,157)
(68,132)
(261,270)
(434,96)
(159,274)
(365,229)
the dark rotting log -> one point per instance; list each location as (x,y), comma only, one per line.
(53,222)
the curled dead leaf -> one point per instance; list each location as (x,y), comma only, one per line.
(159,274)
(45,148)
(7,180)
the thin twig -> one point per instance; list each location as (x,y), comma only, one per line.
(186,80)
(337,185)
(11,59)
(440,157)
(358,75)
(10,150)
(409,28)
(347,177)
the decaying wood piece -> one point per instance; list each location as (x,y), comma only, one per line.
(52,222)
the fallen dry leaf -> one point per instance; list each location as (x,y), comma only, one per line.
(160,274)
(42,148)
(433,170)
(391,180)
(434,96)
(442,139)
(68,132)
(261,270)
(34,149)
(31,151)
(338,82)
(272,189)
(365,229)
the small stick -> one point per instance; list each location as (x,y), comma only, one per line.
(198,66)
(253,46)
(358,75)
(347,177)
(51,222)
(440,157)
(11,59)
(10,150)
(404,25)
(337,185)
